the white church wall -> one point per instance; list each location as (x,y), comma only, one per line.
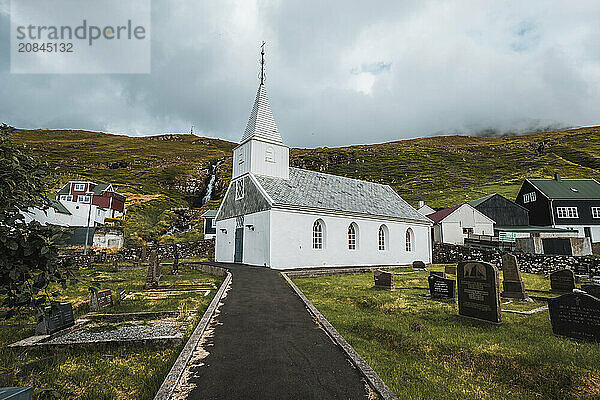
(224,242)
(270,159)
(241,160)
(256,239)
(293,247)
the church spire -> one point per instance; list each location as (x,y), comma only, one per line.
(261,124)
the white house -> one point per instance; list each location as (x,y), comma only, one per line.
(425,209)
(281,217)
(454,224)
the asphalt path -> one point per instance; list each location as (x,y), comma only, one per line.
(266,345)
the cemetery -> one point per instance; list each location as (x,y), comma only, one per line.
(511,335)
(108,337)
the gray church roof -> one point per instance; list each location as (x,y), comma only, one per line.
(331,192)
(261,123)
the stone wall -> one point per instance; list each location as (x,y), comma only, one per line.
(187,249)
(533,263)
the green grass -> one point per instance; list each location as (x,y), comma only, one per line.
(132,372)
(452,357)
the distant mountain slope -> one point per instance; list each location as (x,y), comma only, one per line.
(442,170)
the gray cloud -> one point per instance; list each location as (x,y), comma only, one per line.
(338,72)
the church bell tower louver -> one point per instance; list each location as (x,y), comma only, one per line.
(261,150)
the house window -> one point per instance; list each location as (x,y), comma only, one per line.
(409,240)
(213,223)
(352,236)
(567,212)
(269,155)
(318,229)
(79,187)
(383,235)
(239,189)
(595,212)
(66,197)
(83,199)
(99,211)
(529,197)
(467,231)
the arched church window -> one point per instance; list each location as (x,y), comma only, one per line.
(318,234)
(409,240)
(352,236)
(383,237)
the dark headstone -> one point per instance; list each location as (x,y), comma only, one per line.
(441,288)
(151,281)
(418,265)
(450,269)
(54,318)
(383,280)
(175,269)
(576,315)
(438,273)
(593,289)
(562,281)
(479,291)
(99,300)
(512,283)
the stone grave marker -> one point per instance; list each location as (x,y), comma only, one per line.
(175,269)
(562,281)
(576,315)
(418,264)
(450,269)
(383,280)
(438,273)
(441,288)
(512,284)
(151,281)
(479,291)
(593,289)
(103,256)
(54,318)
(99,300)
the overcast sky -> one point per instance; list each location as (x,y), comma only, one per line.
(339,72)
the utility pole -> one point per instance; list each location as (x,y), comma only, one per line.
(87,230)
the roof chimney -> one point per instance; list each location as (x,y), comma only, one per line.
(557,177)
(421,203)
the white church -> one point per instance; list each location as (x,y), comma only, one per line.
(281,217)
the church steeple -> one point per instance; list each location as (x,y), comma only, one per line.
(261,150)
(261,124)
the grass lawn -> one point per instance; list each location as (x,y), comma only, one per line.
(133,372)
(451,357)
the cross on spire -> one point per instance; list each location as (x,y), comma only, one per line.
(262,64)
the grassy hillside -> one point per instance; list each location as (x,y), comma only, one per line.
(163,172)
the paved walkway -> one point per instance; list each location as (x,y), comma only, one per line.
(266,346)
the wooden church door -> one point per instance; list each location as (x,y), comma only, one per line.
(239,240)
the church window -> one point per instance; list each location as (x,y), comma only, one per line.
(352,236)
(383,237)
(318,234)
(241,157)
(409,240)
(270,155)
(239,189)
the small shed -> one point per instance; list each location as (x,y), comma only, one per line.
(210,227)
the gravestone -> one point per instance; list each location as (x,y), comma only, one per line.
(576,315)
(383,280)
(418,264)
(479,291)
(450,269)
(151,281)
(54,318)
(512,283)
(438,273)
(441,288)
(562,281)
(593,289)
(103,256)
(99,300)
(175,269)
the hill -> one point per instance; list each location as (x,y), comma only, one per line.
(163,172)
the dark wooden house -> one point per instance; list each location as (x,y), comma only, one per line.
(563,203)
(505,212)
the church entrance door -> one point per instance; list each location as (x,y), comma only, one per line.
(239,245)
